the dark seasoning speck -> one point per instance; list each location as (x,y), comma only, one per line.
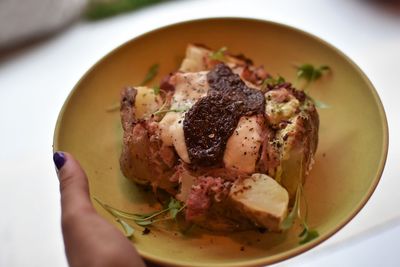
(146,231)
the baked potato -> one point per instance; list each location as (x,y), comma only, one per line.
(223,137)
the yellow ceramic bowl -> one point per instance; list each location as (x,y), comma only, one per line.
(349,162)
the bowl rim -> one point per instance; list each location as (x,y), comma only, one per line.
(297,250)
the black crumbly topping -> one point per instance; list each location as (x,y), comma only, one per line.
(211,121)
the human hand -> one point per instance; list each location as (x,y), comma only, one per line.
(89,239)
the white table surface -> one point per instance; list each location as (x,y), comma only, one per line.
(35,81)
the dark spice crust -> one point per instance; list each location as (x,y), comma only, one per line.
(222,80)
(128,110)
(207,127)
(212,120)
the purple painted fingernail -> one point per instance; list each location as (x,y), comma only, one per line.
(59,159)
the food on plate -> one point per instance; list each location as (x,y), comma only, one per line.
(223,137)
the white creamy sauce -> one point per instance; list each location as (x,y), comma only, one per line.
(189,87)
(242,149)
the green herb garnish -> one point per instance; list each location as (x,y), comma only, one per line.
(318,103)
(271,81)
(114,107)
(280,80)
(162,111)
(127,228)
(143,223)
(173,208)
(152,72)
(307,234)
(219,54)
(289,220)
(310,73)
(156,89)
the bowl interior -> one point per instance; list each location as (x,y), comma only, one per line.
(348,164)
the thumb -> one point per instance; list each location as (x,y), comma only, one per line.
(74,186)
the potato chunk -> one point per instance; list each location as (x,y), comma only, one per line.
(145,102)
(262,199)
(195,59)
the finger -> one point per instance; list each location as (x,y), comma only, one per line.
(89,239)
(74,186)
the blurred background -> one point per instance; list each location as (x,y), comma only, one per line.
(47,45)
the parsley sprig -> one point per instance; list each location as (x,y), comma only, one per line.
(310,73)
